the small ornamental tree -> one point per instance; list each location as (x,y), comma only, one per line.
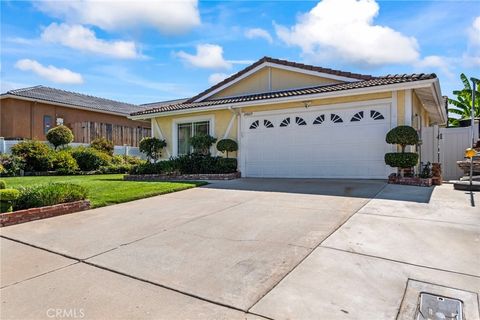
(227,145)
(402,136)
(103,144)
(152,147)
(201,143)
(59,136)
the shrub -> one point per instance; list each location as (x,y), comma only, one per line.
(401,160)
(3,185)
(64,163)
(7,197)
(196,163)
(49,194)
(116,168)
(59,136)
(227,145)
(103,145)
(152,147)
(10,165)
(403,136)
(201,143)
(153,168)
(89,159)
(133,160)
(37,155)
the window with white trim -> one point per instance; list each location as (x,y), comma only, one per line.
(188,130)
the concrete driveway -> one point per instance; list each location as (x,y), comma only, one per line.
(248,248)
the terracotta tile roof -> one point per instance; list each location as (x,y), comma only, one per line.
(373,82)
(75,99)
(284,63)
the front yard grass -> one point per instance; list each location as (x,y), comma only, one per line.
(107,189)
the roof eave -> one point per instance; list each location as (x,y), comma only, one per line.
(356,91)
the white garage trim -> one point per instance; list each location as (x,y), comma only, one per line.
(364,164)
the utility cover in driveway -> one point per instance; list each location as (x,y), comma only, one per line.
(433,307)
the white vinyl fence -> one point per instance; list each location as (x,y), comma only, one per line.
(447,146)
(6,147)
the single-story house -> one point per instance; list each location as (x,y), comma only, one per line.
(297,120)
(29,113)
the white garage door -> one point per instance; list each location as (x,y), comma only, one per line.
(317,143)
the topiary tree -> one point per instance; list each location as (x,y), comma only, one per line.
(201,143)
(403,136)
(103,144)
(227,145)
(7,197)
(152,147)
(59,136)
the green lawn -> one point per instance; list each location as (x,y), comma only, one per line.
(107,189)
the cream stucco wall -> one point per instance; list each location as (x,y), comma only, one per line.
(272,79)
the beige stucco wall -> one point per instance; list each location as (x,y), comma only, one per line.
(272,79)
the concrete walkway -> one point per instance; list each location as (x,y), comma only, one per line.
(248,248)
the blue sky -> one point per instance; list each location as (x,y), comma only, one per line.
(146,51)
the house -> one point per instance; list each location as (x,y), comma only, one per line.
(30,112)
(297,120)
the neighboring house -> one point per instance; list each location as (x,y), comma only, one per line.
(30,112)
(297,120)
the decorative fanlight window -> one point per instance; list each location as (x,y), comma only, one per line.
(300,121)
(319,119)
(285,122)
(357,116)
(335,118)
(267,123)
(254,124)
(375,115)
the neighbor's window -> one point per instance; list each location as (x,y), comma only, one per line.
(47,123)
(188,130)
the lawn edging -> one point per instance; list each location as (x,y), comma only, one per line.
(181,177)
(21,216)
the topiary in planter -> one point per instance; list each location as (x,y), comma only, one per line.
(401,160)
(403,136)
(227,145)
(59,136)
(7,196)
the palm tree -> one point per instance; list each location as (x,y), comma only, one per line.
(462,105)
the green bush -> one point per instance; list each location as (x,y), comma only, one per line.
(3,184)
(103,145)
(37,155)
(201,143)
(160,167)
(401,160)
(7,197)
(64,163)
(403,136)
(49,194)
(133,160)
(115,168)
(59,136)
(152,147)
(10,165)
(89,159)
(227,145)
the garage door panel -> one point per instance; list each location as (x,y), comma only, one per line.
(348,149)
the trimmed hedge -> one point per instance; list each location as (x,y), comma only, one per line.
(7,197)
(401,160)
(89,159)
(37,155)
(49,194)
(194,163)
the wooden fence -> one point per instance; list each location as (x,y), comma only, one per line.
(85,132)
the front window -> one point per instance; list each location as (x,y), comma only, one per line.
(47,123)
(188,130)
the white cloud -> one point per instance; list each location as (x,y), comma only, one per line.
(209,56)
(215,78)
(167,16)
(81,38)
(474,32)
(344,29)
(439,63)
(258,33)
(54,74)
